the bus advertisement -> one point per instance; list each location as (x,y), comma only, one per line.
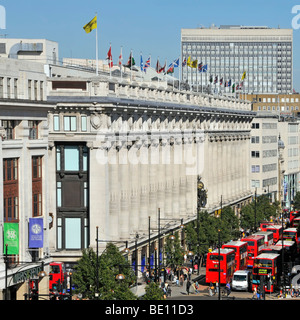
(240,249)
(225,264)
(266,268)
(255,244)
(269,238)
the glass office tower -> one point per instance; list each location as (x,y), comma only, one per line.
(264,53)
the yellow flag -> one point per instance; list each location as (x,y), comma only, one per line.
(243,76)
(189,62)
(194,64)
(91,25)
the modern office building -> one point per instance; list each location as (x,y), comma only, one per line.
(265,54)
(284,105)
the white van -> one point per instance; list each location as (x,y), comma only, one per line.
(242,280)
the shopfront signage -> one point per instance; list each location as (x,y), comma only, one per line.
(24,275)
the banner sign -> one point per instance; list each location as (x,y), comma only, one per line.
(11,237)
(36,233)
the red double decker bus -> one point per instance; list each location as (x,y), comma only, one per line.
(240,249)
(291,234)
(267,268)
(225,263)
(255,244)
(269,238)
(277,231)
(293,215)
(296,222)
(290,249)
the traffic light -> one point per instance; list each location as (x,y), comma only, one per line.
(34,286)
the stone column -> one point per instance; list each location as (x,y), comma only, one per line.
(114,193)
(124,182)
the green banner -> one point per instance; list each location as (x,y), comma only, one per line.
(11,238)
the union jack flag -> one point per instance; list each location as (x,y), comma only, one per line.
(147,64)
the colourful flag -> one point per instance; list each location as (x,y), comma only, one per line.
(194,64)
(142,63)
(210,79)
(120,59)
(91,25)
(184,62)
(216,79)
(170,68)
(130,61)
(229,83)
(147,64)
(233,87)
(221,81)
(188,63)
(159,68)
(204,68)
(243,76)
(176,63)
(200,66)
(109,58)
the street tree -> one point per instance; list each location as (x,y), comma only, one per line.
(153,292)
(110,263)
(174,251)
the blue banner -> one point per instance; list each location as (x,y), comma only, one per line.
(36,233)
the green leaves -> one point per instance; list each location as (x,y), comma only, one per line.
(110,263)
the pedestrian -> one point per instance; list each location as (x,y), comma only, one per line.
(188,284)
(210,289)
(181,280)
(254,294)
(228,288)
(217,287)
(196,287)
(258,294)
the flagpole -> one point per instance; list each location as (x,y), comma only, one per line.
(131,65)
(121,64)
(110,60)
(97,45)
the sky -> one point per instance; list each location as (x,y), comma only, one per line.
(150,27)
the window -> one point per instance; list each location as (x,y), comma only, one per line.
(255,139)
(255,154)
(9,127)
(56,126)
(71,158)
(70,123)
(36,186)
(72,196)
(83,123)
(255,125)
(255,169)
(33,129)
(10,190)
